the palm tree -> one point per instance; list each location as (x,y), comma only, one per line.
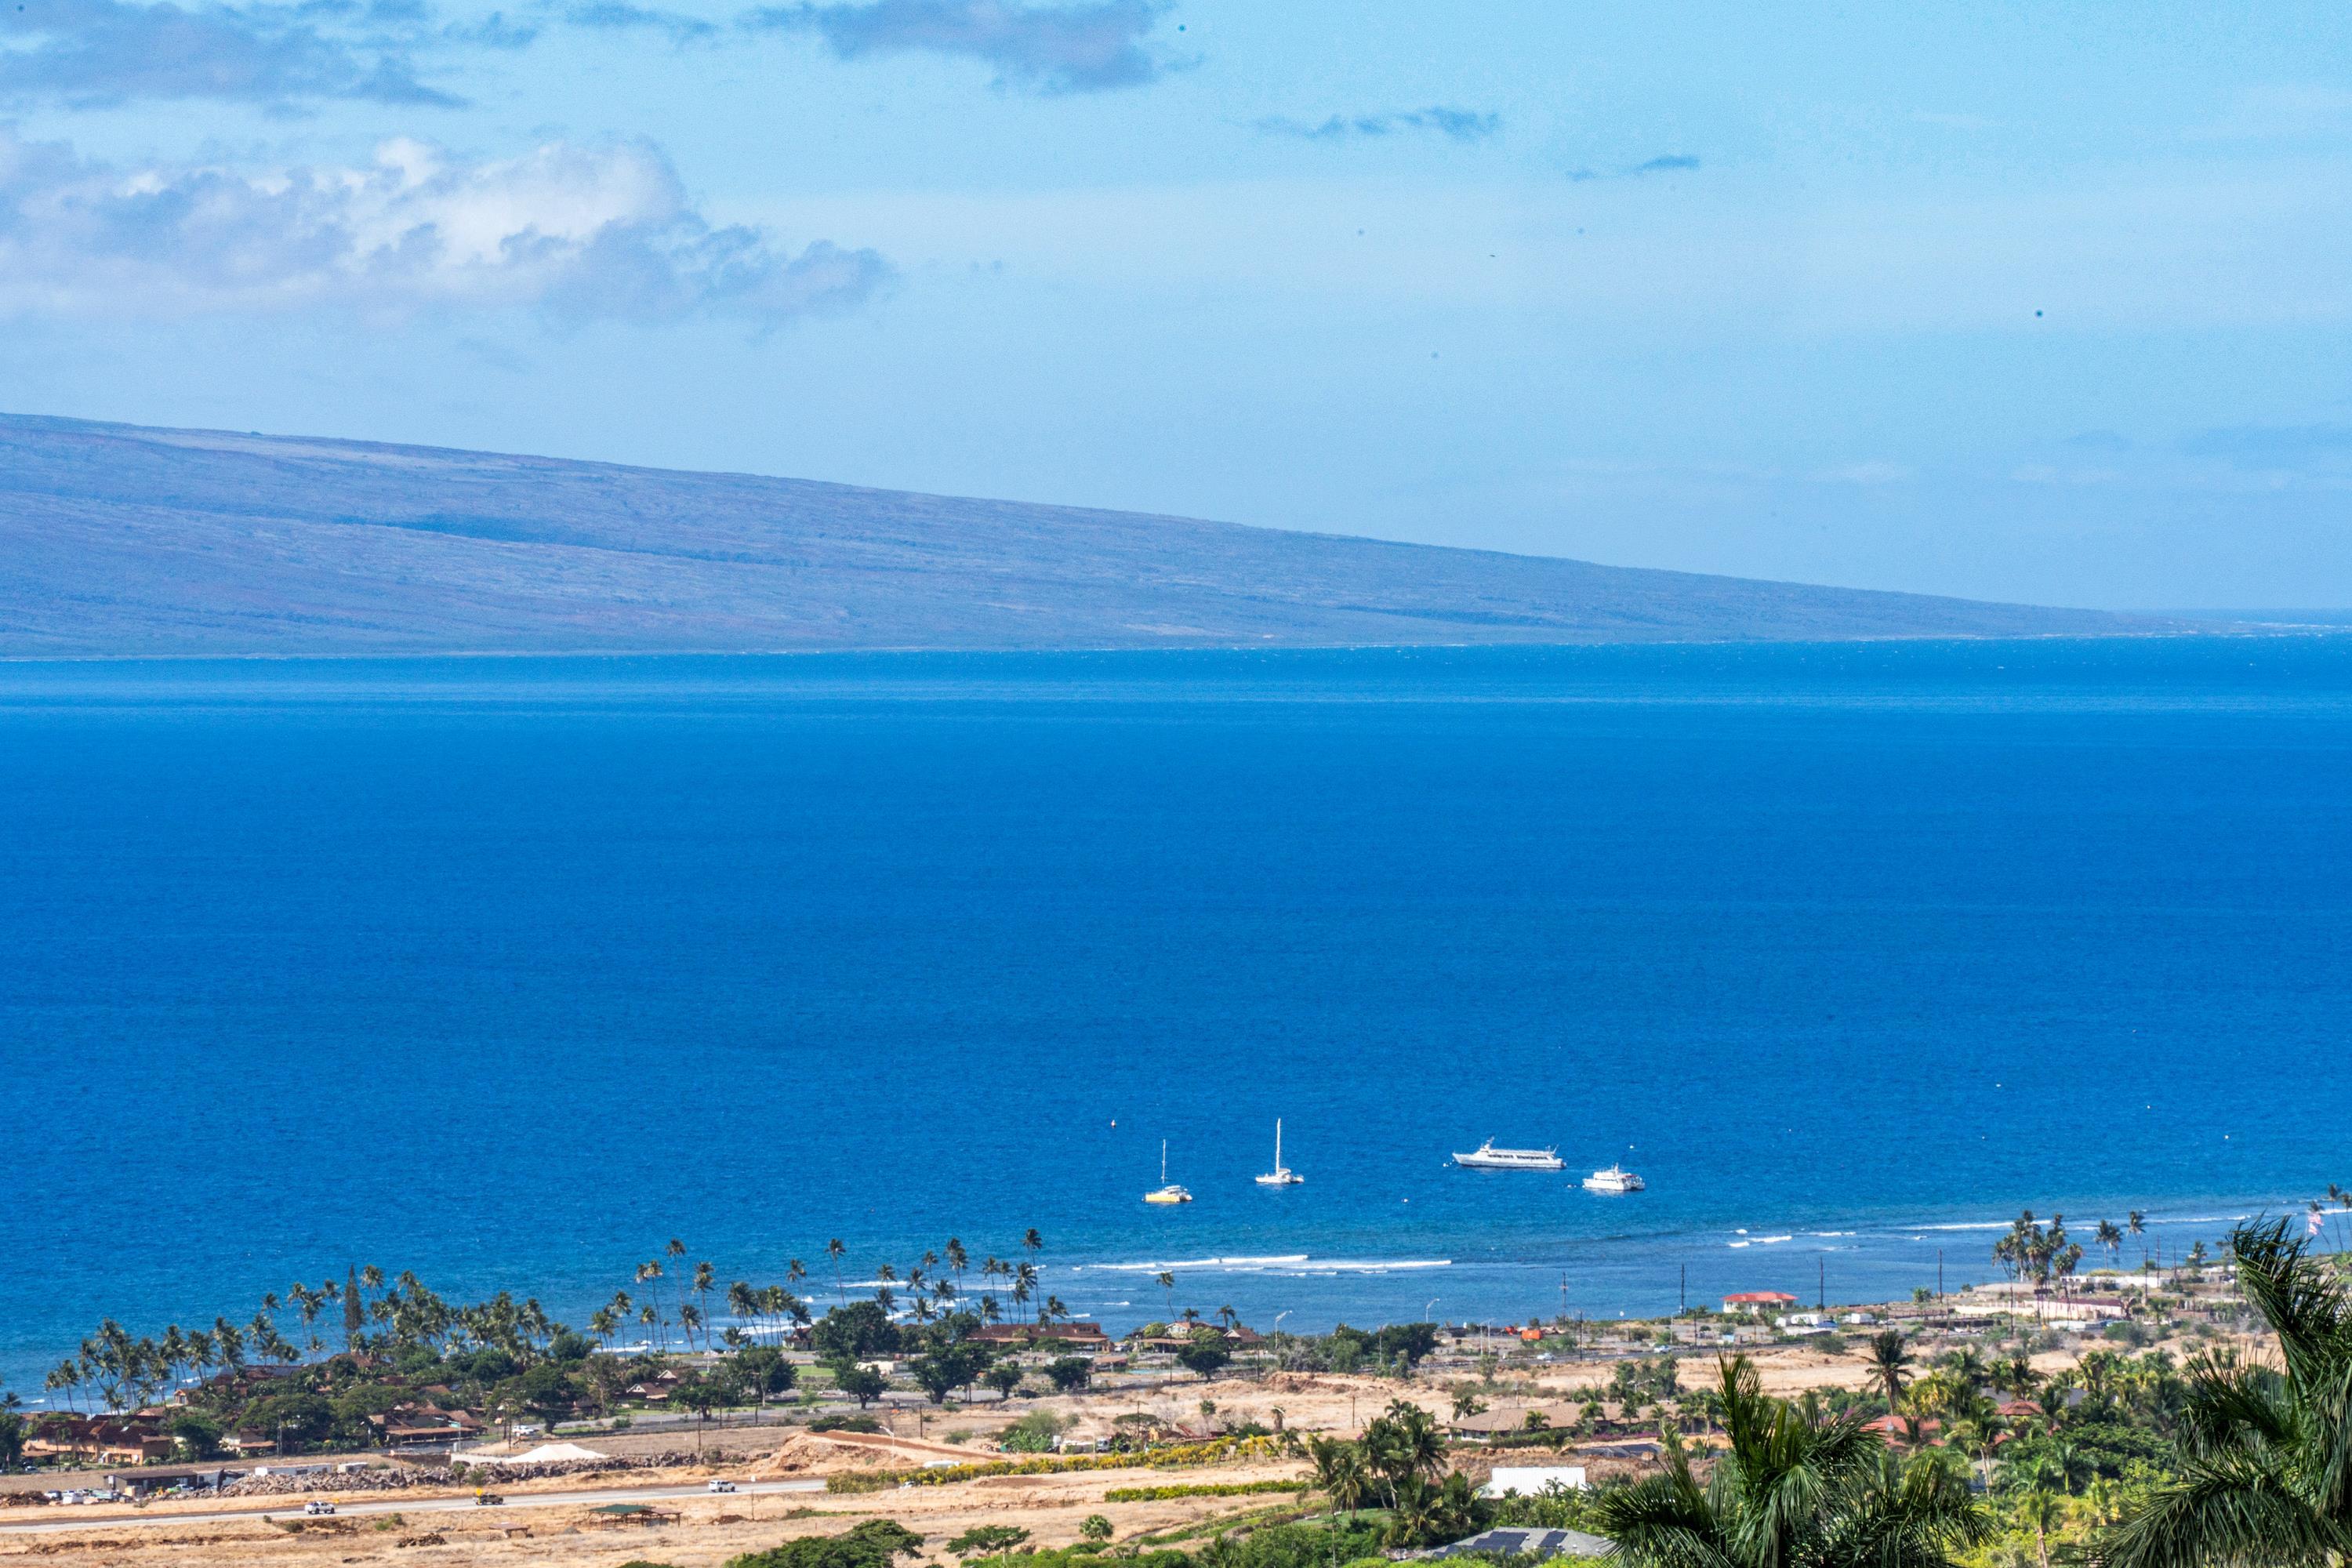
(705,1280)
(1792,1491)
(1341,1472)
(1025,1281)
(2136,1224)
(1167,1281)
(833,1249)
(2112,1239)
(2262,1476)
(1890,1364)
(958,1258)
(1404,1444)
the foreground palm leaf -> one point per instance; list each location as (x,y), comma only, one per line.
(1791,1492)
(2266,1471)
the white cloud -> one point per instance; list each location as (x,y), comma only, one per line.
(585,232)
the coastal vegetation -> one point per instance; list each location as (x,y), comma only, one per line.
(2205,1425)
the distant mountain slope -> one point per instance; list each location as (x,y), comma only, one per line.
(120,540)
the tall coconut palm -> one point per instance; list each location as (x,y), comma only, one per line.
(833,1249)
(1341,1471)
(1791,1491)
(2267,1452)
(1890,1365)
(2136,1224)
(2112,1239)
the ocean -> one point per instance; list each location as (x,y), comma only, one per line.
(507,971)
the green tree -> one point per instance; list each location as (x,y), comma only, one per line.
(862,1384)
(2265,1473)
(1094,1527)
(701,1395)
(766,1372)
(196,1433)
(987,1540)
(1890,1364)
(1341,1471)
(1004,1377)
(1204,1354)
(546,1392)
(858,1331)
(1792,1491)
(1403,1443)
(875,1543)
(1069,1374)
(937,1374)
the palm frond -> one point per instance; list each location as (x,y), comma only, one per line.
(2303,1303)
(2232,1510)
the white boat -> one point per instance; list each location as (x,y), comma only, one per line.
(1615,1179)
(1167,1192)
(1281,1175)
(1486,1157)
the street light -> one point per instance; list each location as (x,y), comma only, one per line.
(1433,1300)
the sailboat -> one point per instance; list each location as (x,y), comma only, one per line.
(1167,1192)
(1281,1175)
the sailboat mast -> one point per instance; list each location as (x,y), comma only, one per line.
(1277,1142)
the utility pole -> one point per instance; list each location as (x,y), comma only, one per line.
(1681,1305)
(1940,1274)
(1821,1282)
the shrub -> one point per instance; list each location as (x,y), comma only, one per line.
(844,1423)
(1032,1434)
(988,1540)
(877,1543)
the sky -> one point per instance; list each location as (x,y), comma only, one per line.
(2048,303)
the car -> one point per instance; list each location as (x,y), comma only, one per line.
(488,1499)
(722,1486)
(319,1505)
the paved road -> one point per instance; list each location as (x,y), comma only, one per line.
(60,1519)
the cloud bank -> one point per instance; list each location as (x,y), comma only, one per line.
(1082,48)
(1665,163)
(1460,124)
(579,233)
(618,15)
(102,52)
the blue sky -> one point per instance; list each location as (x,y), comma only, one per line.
(2043,302)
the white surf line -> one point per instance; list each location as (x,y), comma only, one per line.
(293,1507)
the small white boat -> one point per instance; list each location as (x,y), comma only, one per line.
(1167,1192)
(1615,1179)
(1281,1175)
(1486,1157)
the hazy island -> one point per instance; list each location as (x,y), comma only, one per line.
(120,540)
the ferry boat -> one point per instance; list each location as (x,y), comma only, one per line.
(1281,1175)
(1167,1192)
(1615,1179)
(1486,1157)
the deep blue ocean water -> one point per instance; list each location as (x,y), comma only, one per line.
(510,970)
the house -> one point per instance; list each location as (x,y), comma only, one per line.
(422,1426)
(1897,1427)
(1758,1303)
(1080,1337)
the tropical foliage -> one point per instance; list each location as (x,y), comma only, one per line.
(1795,1490)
